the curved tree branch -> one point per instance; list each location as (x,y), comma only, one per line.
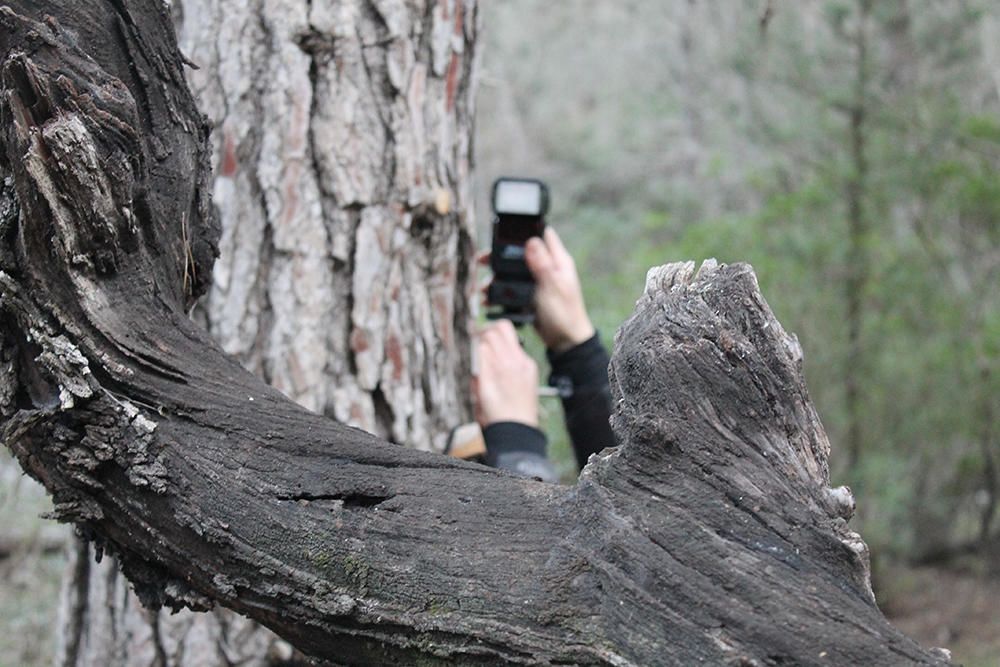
(709,535)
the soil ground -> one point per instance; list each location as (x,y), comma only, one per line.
(956,607)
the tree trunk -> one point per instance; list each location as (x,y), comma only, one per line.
(342,165)
(709,536)
(857,272)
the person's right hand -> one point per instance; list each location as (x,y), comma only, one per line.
(560,314)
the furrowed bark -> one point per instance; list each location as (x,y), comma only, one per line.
(709,534)
(342,151)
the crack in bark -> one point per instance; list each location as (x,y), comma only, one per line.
(349,500)
(76,599)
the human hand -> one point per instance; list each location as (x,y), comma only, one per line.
(506,388)
(560,314)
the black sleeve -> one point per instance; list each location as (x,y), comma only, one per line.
(520,449)
(582,371)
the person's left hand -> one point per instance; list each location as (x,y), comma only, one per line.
(506,387)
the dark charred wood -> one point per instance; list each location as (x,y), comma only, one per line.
(709,535)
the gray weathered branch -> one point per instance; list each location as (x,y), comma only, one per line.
(710,535)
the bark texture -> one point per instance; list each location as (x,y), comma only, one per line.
(709,536)
(342,158)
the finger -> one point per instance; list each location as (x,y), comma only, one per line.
(507,333)
(485,333)
(488,356)
(481,351)
(490,343)
(538,258)
(499,343)
(493,338)
(555,245)
(523,365)
(483,258)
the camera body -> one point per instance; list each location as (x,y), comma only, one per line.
(519,208)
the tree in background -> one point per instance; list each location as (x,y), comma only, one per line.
(342,155)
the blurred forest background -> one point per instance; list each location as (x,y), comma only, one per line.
(850,151)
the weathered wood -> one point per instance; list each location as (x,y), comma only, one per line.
(710,535)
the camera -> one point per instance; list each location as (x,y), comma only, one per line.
(519,208)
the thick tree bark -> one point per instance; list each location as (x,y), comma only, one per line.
(710,535)
(341,152)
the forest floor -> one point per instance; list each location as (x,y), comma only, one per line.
(957,607)
(954,606)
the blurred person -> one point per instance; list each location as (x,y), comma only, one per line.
(505,389)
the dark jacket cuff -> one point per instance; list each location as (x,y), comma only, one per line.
(508,437)
(584,365)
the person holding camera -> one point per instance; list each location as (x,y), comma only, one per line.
(505,390)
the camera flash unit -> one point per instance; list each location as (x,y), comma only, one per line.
(516,196)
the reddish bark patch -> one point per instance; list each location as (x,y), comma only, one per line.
(394,353)
(451,81)
(229,162)
(441,305)
(359,341)
(451,78)
(292,155)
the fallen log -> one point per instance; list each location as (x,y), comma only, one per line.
(709,535)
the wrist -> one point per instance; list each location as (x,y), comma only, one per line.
(570,338)
(582,367)
(526,417)
(511,438)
